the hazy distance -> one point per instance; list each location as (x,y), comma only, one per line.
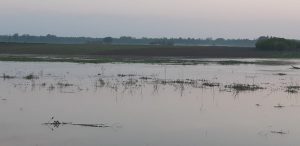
(155,18)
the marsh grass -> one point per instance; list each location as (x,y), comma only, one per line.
(145,78)
(292,89)
(126,75)
(243,87)
(211,84)
(31,77)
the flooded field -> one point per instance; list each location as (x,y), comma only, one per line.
(69,104)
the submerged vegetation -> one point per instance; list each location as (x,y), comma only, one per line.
(130,82)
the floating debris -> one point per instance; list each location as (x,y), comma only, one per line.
(57,124)
(93,125)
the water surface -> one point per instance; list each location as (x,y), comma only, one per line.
(143,107)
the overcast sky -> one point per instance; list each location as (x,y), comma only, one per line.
(152,18)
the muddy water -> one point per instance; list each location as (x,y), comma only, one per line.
(142,105)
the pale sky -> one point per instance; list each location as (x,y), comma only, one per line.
(152,18)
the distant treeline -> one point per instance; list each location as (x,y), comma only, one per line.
(275,43)
(52,39)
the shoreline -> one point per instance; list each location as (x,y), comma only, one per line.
(147,60)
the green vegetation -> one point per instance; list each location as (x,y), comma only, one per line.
(279,44)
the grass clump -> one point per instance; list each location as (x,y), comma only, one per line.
(61,84)
(292,89)
(243,87)
(31,77)
(187,82)
(211,84)
(126,75)
(145,78)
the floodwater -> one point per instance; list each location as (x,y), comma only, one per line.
(148,105)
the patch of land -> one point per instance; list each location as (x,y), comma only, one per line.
(97,53)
